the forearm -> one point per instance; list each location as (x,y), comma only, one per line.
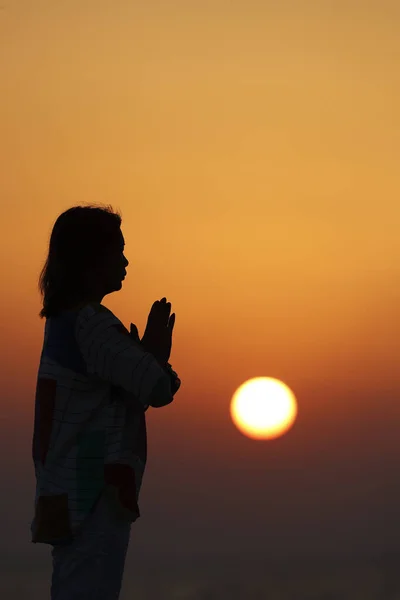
(175,382)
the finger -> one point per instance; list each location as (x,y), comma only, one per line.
(159,312)
(155,310)
(171,322)
(164,308)
(134,331)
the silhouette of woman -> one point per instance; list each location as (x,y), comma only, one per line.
(95,382)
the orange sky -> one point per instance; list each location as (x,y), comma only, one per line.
(253,150)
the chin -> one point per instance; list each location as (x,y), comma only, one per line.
(117,286)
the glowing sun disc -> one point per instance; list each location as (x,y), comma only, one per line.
(263,408)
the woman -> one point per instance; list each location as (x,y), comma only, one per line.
(95,382)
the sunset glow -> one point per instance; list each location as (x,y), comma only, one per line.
(252,149)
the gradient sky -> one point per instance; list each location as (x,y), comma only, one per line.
(253,149)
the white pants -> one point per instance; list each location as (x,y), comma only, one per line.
(92,566)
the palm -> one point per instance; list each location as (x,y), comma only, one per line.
(157,337)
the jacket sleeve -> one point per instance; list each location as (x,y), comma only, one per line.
(110,353)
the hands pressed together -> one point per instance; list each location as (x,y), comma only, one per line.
(157,338)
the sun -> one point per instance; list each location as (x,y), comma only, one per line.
(263,408)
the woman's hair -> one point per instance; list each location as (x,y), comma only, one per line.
(78,242)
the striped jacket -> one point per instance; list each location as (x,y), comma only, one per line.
(94,384)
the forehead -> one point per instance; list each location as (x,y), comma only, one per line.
(116,243)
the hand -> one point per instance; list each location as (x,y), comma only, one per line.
(157,338)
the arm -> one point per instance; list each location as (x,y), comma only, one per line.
(111,354)
(175,382)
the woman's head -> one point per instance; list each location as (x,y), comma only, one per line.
(85,259)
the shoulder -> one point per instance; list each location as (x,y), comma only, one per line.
(92,314)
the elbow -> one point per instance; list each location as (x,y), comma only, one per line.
(162,394)
(161,401)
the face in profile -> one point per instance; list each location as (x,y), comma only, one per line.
(112,272)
